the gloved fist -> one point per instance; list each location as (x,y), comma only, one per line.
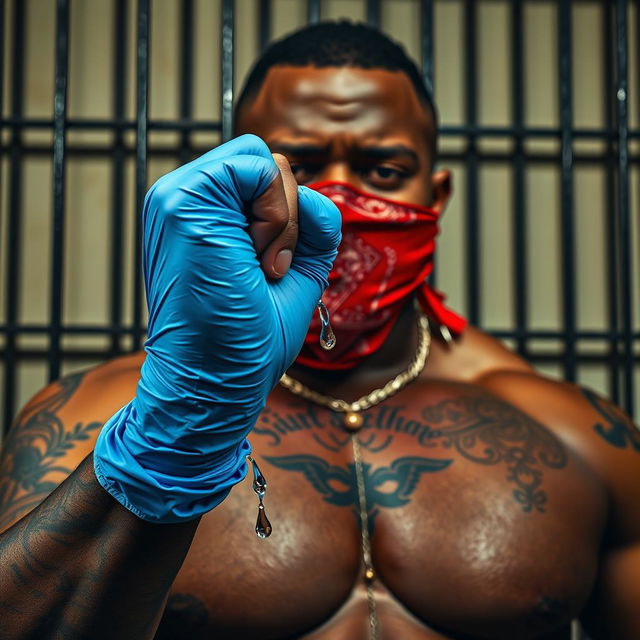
(225,322)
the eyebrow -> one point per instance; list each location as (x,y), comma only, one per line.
(393,151)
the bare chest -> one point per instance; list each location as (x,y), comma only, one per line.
(477,517)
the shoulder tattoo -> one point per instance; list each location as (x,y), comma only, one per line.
(488,431)
(33,449)
(615,426)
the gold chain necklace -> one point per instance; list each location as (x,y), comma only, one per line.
(352,418)
(353,422)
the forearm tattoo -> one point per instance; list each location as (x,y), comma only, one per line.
(80,566)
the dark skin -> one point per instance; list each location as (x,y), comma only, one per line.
(501,504)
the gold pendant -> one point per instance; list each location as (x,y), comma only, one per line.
(352,421)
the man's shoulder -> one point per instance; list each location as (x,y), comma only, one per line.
(105,388)
(57,429)
(587,423)
(95,392)
(472,355)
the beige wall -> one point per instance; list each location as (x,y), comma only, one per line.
(88,186)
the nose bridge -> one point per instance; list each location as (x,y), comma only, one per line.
(339,166)
(337,170)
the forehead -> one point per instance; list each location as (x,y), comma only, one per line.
(315,102)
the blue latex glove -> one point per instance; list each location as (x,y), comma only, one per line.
(220,333)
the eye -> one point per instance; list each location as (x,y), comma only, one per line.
(304,172)
(385,177)
(386,172)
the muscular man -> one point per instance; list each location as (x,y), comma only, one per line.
(478,500)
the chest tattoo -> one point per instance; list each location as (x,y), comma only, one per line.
(386,487)
(481,429)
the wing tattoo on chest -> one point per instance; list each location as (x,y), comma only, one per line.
(389,487)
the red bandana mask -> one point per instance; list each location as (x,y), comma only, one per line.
(385,257)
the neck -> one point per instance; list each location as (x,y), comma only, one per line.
(395,355)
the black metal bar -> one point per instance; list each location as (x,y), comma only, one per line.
(610,220)
(472,219)
(108,124)
(186,77)
(313,11)
(14,229)
(168,150)
(84,329)
(2,41)
(142,110)
(550,357)
(178,124)
(226,116)
(626,267)
(59,170)
(264,24)
(117,168)
(567,221)
(520,279)
(373,13)
(426,50)
(427,43)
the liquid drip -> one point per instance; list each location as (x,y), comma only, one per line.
(259,481)
(263,526)
(327,337)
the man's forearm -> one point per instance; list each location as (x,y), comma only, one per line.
(81,566)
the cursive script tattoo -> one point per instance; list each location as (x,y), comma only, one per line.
(337,485)
(480,428)
(33,450)
(617,429)
(326,427)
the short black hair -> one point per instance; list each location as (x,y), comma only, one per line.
(337,44)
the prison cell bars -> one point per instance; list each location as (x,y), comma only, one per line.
(59,184)
(142,129)
(616,134)
(622,209)
(119,81)
(14,235)
(520,253)
(612,236)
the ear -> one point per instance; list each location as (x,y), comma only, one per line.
(440,189)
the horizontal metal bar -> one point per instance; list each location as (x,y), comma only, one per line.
(180,124)
(550,357)
(171,151)
(534,334)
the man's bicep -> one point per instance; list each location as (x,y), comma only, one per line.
(45,444)
(614,613)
